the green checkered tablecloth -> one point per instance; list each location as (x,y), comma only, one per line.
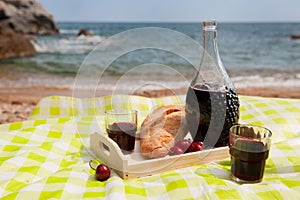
(47,156)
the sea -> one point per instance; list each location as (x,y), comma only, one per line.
(254,55)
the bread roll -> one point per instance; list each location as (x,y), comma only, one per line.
(161,129)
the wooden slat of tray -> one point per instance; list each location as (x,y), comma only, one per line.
(174,162)
(135,165)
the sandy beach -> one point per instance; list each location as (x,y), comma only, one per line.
(16,104)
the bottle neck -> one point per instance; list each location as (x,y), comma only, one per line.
(210,42)
(211,69)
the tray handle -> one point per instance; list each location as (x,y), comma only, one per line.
(108,151)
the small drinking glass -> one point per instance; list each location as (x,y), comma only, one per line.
(121,126)
(249,150)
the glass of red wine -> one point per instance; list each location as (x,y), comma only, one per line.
(121,126)
(249,147)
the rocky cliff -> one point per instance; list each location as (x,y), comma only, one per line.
(14,44)
(19,20)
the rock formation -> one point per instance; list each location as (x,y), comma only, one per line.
(26,17)
(19,20)
(84,32)
(295,36)
(14,44)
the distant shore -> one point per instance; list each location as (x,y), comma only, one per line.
(16,104)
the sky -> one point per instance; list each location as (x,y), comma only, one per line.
(173,10)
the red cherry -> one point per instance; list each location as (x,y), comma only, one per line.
(102,172)
(196,146)
(175,151)
(183,144)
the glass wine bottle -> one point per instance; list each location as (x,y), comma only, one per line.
(212,103)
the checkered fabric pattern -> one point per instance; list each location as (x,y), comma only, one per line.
(47,156)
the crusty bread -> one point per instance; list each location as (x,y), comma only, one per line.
(161,129)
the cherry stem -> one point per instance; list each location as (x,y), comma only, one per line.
(94,164)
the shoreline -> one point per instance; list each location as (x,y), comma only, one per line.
(16,104)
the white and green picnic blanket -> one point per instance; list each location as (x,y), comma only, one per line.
(47,157)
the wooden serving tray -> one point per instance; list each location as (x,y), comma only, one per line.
(136,165)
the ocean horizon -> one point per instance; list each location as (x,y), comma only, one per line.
(255,54)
